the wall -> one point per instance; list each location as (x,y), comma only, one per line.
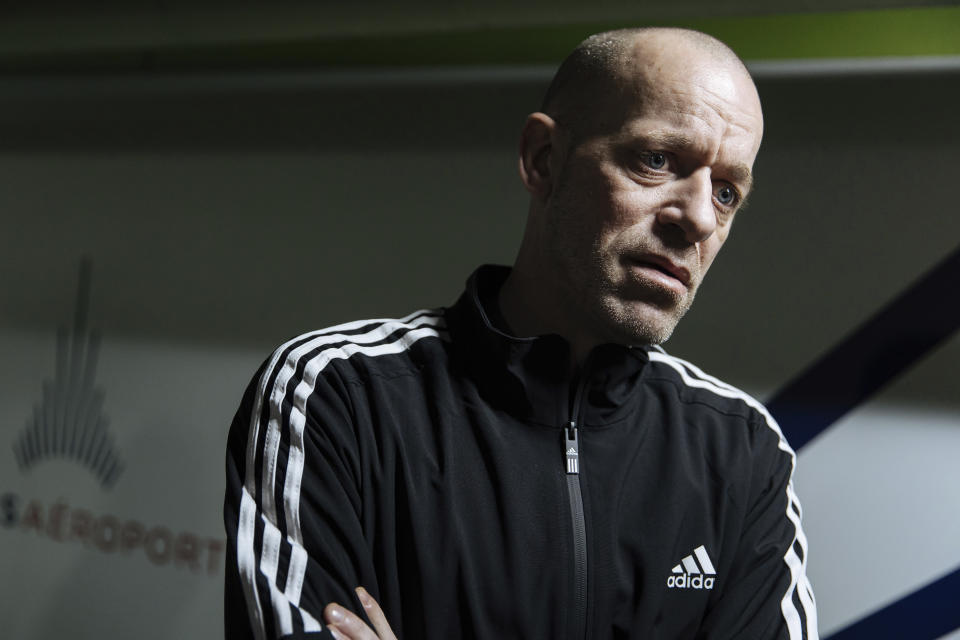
(222,214)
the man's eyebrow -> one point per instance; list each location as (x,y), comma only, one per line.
(741,175)
(674,140)
(669,140)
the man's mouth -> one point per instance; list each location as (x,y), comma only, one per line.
(662,265)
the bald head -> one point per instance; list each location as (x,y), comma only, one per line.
(615,67)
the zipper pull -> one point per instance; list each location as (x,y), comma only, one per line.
(571,446)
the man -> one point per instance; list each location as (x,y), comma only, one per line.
(528,463)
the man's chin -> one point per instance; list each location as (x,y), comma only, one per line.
(645,323)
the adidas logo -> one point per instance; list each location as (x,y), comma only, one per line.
(690,575)
(573,460)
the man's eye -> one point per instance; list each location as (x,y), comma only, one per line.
(726,195)
(655,159)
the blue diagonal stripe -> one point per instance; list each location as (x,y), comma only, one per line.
(928,613)
(882,348)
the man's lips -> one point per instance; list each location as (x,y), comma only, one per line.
(663,265)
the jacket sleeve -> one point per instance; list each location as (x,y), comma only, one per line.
(292,509)
(767,594)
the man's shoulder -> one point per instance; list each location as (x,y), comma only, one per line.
(698,388)
(362,346)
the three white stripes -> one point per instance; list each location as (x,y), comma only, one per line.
(690,565)
(573,461)
(281,601)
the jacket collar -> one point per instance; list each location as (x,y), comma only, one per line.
(531,378)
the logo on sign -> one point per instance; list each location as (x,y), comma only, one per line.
(68,421)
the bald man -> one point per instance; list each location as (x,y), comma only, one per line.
(529,463)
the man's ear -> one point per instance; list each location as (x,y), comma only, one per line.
(537,149)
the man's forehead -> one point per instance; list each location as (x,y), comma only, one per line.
(666,70)
(716,112)
(672,73)
(691,117)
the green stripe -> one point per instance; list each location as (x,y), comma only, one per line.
(896,32)
(854,34)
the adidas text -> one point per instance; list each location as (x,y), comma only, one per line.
(686,581)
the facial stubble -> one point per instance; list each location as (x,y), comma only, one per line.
(640,312)
(615,304)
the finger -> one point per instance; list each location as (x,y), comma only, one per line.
(347,623)
(375,614)
(336,634)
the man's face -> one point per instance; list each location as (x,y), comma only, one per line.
(639,211)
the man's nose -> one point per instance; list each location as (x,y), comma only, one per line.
(690,206)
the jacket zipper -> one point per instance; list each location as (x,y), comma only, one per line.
(571,448)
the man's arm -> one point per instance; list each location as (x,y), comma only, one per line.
(767,594)
(294,538)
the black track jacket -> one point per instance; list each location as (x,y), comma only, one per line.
(477,491)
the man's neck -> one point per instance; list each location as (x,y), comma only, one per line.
(531,307)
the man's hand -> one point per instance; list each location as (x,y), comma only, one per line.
(345,625)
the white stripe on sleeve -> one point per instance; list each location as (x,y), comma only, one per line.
(421,326)
(694,377)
